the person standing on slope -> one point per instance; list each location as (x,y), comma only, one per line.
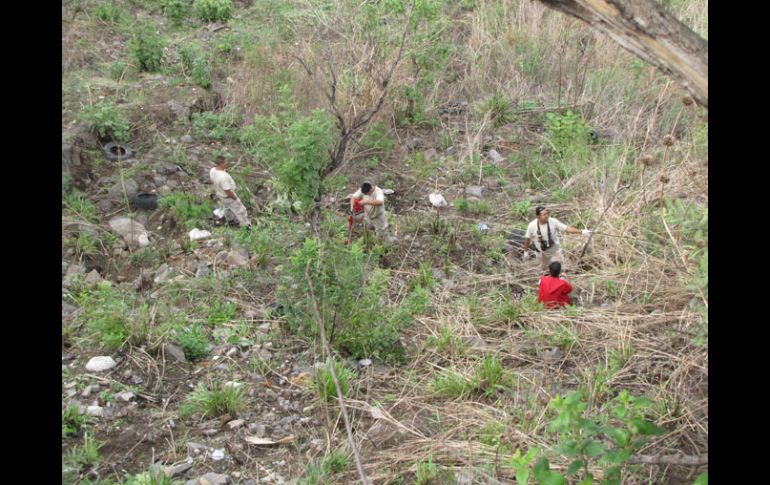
(224,187)
(544,233)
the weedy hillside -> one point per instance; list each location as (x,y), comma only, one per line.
(213,359)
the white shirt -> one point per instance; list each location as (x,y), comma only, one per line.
(372,211)
(222,181)
(556,227)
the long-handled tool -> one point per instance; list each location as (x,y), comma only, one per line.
(354,210)
(601,218)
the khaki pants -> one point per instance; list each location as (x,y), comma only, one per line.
(234,209)
(548,256)
(379,223)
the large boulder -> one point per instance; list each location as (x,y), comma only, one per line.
(133,233)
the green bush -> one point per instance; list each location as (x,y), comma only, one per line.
(105,314)
(194,342)
(213,10)
(325,383)
(200,73)
(213,401)
(187,208)
(348,287)
(146,47)
(499,109)
(72,422)
(108,12)
(176,10)
(213,126)
(378,139)
(104,119)
(570,135)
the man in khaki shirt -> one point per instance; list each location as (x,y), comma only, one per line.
(224,186)
(372,199)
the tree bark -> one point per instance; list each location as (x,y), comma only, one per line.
(646,30)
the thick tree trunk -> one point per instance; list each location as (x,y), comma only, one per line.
(645,29)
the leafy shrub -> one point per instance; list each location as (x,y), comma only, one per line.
(588,440)
(325,383)
(348,287)
(569,134)
(105,314)
(194,342)
(200,73)
(213,126)
(146,47)
(176,10)
(215,401)
(378,138)
(108,12)
(187,208)
(499,109)
(104,119)
(295,147)
(213,10)
(72,422)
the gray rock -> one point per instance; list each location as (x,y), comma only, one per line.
(552,354)
(186,139)
(175,471)
(116,191)
(104,205)
(218,454)
(125,396)
(100,364)
(132,232)
(175,352)
(93,278)
(76,269)
(195,448)
(439,274)
(210,479)
(89,389)
(482,227)
(136,379)
(168,168)
(97,411)
(67,309)
(495,157)
(257,430)
(159,180)
(236,423)
(474,191)
(162,274)
(202,270)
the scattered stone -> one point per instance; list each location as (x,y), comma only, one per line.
(116,191)
(365,362)
(439,274)
(218,454)
(554,353)
(210,479)
(257,430)
(234,385)
(67,309)
(175,352)
(474,191)
(100,364)
(202,270)
(236,423)
(482,227)
(75,269)
(195,448)
(133,233)
(136,379)
(210,432)
(89,389)
(162,274)
(97,411)
(175,471)
(197,234)
(125,396)
(388,191)
(495,157)
(93,278)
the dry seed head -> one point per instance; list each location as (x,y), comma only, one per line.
(668,140)
(687,101)
(664,179)
(646,160)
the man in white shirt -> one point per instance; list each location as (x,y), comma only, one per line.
(224,186)
(544,232)
(373,201)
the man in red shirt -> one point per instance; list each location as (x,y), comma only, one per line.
(554,290)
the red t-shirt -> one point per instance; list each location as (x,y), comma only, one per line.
(554,292)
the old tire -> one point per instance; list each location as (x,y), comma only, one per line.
(116,151)
(145,200)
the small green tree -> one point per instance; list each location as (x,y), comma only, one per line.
(146,47)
